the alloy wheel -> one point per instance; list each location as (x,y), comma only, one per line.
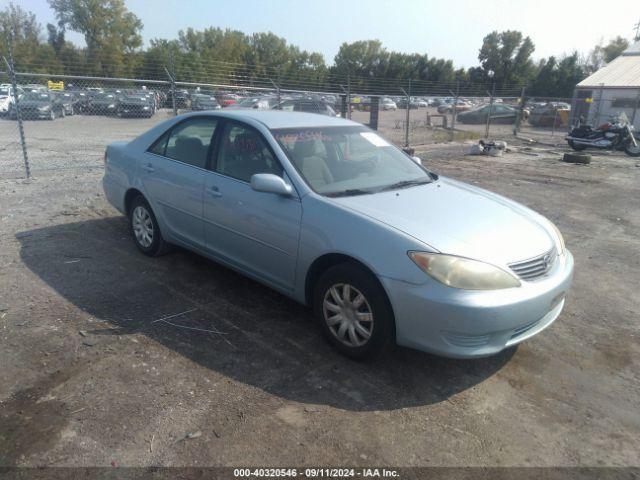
(348,314)
(142,226)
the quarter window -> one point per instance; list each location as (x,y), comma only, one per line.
(243,153)
(189,141)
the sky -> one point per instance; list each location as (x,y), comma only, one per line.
(452,30)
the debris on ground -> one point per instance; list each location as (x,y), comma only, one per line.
(493,148)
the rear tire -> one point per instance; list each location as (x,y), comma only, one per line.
(358,321)
(145,229)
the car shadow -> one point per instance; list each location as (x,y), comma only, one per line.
(229,323)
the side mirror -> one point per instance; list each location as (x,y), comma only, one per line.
(418,160)
(270,183)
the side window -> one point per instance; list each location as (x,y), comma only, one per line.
(189,141)
(160,145)
(243,153)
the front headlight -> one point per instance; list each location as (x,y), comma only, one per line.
(559,240)
(111,106)
(44,108)
(459,272)
(145,108)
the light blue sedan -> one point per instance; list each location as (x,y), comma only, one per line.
(330,214)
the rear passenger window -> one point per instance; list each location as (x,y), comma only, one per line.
(160,145)
(189,142)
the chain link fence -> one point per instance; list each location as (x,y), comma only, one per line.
(68,119)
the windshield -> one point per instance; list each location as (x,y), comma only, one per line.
(340,161)
(36,96)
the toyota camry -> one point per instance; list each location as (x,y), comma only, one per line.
(329,213)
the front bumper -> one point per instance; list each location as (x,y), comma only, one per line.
(465,324)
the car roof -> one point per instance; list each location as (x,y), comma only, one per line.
(273,119)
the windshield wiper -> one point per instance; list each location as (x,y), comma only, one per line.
(406,183)
(349,192)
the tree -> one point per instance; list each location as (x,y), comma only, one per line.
(506,57)
(602,54)
(111,32)
(21,29)
(614,48)
(55,37)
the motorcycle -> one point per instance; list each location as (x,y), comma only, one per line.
(617,134)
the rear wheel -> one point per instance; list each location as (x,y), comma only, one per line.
(355,314)
(145,229)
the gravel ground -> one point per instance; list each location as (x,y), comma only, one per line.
(91,377)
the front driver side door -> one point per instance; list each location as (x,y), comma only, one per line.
(255,231)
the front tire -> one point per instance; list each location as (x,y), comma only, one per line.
(145,229)
(354,311)
(632,151)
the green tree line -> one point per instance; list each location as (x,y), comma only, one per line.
(114,48)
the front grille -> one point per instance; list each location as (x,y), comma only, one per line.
(534,267)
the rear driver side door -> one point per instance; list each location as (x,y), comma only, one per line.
(172,172)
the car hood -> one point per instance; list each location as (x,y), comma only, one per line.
(458,219)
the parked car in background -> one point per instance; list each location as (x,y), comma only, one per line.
(102,103)
(387,104)
(499,114)
(402,103)
(182,99)
(39,105)
(323,210)
(310,105)
(135,105)
(200,101)
(7,98)
(550,114)
(227,99)
(68,100)
(259,102)
(460,106)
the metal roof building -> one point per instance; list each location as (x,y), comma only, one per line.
(612,90)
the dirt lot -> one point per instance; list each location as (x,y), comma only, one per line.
(90,377)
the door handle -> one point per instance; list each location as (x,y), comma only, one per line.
(148,168)
(214,192)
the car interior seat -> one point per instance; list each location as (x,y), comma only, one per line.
(191,149)
(313,167)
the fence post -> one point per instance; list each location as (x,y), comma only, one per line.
(635,109)
(348,96)
(407,117)
(520,115)
(596,121)
(454,111)
(16,103)
(493,91)
(172,77)
(277,87)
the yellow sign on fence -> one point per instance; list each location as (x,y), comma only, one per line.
(55,85)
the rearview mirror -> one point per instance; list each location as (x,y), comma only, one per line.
(270,183)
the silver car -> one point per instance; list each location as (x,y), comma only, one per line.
(330,214)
